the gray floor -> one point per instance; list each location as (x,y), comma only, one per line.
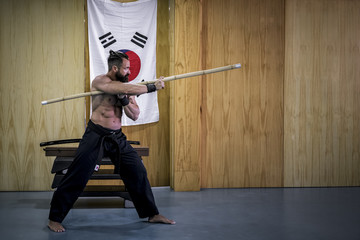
(275,213)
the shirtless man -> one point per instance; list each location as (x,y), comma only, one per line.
(103,136)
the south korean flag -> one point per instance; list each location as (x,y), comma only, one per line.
(130,28)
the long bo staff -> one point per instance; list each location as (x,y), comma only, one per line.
(170,78)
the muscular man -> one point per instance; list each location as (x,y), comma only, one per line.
(103,137)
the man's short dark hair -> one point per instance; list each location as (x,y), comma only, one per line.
(116,58)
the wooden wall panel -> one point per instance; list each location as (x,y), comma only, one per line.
(242,117)
(239,139)
(42,56)
(224,130)
(185,101)
(322,89)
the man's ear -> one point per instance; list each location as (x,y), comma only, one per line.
(114,68)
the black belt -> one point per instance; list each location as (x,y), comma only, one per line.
(106,135)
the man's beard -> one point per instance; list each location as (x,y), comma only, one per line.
(122,78)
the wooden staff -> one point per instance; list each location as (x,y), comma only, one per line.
(166,79)
(198,73)
(79,95)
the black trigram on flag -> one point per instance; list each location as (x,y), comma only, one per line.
(107,39)
(139,39)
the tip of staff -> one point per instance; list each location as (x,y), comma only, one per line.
(237,65)
(44,102)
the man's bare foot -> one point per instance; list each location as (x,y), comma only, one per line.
(56,227)
(160,219)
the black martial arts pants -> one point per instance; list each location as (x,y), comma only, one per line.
(127,162)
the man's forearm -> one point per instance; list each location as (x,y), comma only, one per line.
(132,111)
(124,88)
(130,106)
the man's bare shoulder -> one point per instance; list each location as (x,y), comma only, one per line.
(103,78)
(98,80)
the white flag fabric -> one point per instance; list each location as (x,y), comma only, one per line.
(131,28)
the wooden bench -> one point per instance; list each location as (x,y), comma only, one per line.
(102,183)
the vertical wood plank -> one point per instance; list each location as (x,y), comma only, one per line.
(185,125)
(322,93)
(172,90)
(242,117)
